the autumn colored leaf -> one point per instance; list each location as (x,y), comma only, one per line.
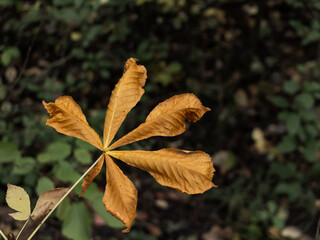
(91,175)
(42,211)
(67,118)
(120,197)
(186,171)
(47,201)
(124,97)
(18,199)
(189,172)
(166,119)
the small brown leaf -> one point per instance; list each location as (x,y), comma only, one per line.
(166,119)
(125,96)
(42,211)
(47,201)
(91,175)
(120,197)
(189,172)
(67,118)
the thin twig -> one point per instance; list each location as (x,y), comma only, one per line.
(2,235)
(67,193)
(25,224)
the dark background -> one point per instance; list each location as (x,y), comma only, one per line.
(254,63)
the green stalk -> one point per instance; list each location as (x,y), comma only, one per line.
(2,235)
(67,193)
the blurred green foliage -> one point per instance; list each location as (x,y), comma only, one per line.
(254,63)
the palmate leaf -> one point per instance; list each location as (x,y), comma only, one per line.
(124,97)
(189,172)
(67,118)
(166,119)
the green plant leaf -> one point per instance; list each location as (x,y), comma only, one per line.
(9,54)
(58,150)
(286,145)
(6,3)
(85,145)
(302,134)
(164,78)
(67,15)
(311,86)
(293,123)
(283,115)
(304,100)
(291,87)
(8,152)
(3,92)
(280,101)
(312,130)
(174,67)
(44,184)
(293,190)
(283,170)
(307,115)
(140,235)
(77,225)
(94,196)
(61,3)
(65,172)
(309,151)
(23,165)
(278,222)
(63,209)
(83,156)
(312,36)
(272,206)
(44,158)
(316,95)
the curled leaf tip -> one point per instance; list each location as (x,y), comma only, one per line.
(130,62)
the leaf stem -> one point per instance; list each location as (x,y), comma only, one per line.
(64,196)
(25,224)
(2,235)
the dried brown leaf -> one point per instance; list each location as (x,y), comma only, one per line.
(67,118)
(120,197)
(47,201)
(166,119)
(42,211)
(91,175)
(186,171)
(125,96)
(189,172)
